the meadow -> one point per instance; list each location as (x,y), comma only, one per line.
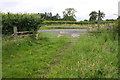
(89,57)
(26,57)
(88,50)
(93,55)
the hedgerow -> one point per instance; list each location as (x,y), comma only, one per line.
(75,22)
(24,22)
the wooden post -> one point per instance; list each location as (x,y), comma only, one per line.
(15,31)
(36,36)
(98,25)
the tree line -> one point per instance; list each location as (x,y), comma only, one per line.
(48,16)
(69,15)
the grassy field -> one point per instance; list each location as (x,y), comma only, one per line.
(27,57)
(76,26)
(91,56)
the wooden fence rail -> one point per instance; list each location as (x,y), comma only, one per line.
(16,33)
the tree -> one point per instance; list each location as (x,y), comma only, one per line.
(57,16)
(100,15)
(69,14)
(69,18)
(85,20)
(50,17)
(93,16)
(50,14)
(96,16)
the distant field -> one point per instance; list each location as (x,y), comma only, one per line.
(62,27)
(75,26)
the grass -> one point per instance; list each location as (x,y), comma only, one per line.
(0,55)
(77,26)
(28,57)
(65,26)
(91,56)
(62,27)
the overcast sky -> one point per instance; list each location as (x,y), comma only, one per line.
(83,7)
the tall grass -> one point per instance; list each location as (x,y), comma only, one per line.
(90,57)
(118,29)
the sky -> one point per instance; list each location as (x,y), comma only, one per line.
(83,7)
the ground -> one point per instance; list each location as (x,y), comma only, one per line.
(72,55)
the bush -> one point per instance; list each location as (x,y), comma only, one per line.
(75,22)
(24,22)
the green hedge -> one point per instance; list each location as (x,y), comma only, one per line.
(74,22)
(24,22)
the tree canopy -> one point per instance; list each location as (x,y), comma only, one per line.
(96,16)
(69,14)
(101,15)
(93,16)
(49,16)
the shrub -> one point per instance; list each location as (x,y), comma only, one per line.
(24,22)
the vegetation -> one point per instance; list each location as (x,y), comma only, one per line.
(110,20)
(93,16)
(75,22)
(63,27)
(91,55)
(85,61)
(117,29)
(32,22)
(101,15)
(32,58)
(96,16)
(24,22)
(69,14)
(29,58)
(49,16)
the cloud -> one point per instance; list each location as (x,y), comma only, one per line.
(83,7)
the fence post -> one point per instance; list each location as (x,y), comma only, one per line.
(15,31)
(36,36)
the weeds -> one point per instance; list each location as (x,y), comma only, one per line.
(89,57)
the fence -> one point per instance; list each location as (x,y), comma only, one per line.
(16,33)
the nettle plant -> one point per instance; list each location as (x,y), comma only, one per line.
(23,22)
